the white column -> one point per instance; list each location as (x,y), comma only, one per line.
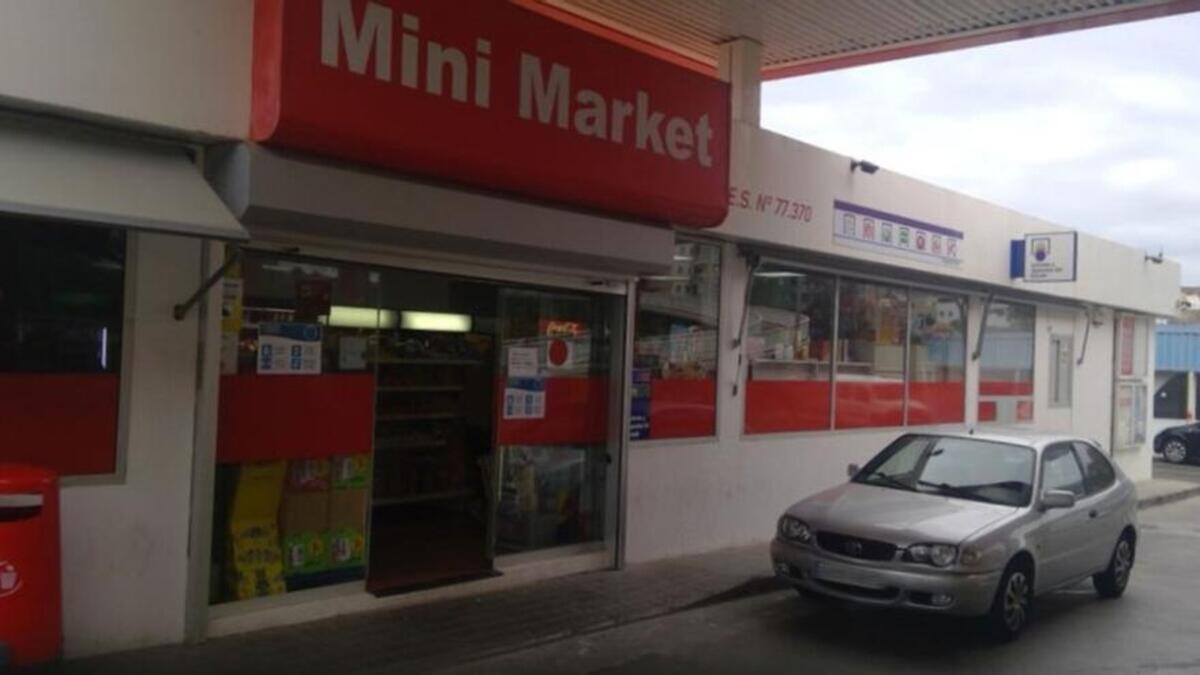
(1190,411)
(740,64)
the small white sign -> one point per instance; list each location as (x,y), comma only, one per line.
(522,361)
(1050,256)
(352,352)
(289,349)
(895,235)
(525,399)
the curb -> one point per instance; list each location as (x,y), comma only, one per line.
(1171,497)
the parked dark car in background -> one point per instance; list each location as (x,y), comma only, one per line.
(1179,444)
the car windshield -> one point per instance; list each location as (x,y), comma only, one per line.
(961,468)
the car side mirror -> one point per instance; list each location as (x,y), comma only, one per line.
(1057,499)
(852,470)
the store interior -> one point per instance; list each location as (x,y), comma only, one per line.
(440,422)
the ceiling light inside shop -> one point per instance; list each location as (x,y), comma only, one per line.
(341,316)
(665,277)
(436,321)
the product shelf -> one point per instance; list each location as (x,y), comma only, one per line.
(422,497)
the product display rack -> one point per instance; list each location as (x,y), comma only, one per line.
(421,452)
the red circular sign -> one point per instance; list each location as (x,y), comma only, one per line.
(559,352)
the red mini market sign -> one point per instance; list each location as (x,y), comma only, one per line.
(489,94)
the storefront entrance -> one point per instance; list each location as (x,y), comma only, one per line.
(407,428)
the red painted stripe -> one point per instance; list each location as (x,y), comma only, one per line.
(936,402)
(1003,388)
(683,407)
(66,423)
(869,404)
(270,417)
(786,405)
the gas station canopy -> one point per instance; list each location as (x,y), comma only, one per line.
(806,36)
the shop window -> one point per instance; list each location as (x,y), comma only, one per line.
(295,425)
(872,332)
(1129,414)
(1062,369)
(1006,364)
(1170,396)
(789,346)
(61,317)
(412,424)
(937,358)
(675,347)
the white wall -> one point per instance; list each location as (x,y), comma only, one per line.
(183,64)
(698,495)
(125,545)
(776,165)
(693,496)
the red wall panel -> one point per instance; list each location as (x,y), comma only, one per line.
(683,407)
(576,413)
(987,411)
(936,402)
(786,405)
(870,404)
(1005,388)
(270,417)
(66,423)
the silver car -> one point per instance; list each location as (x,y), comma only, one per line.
(965,524)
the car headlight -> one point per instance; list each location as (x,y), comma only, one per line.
(938,555)
(794,529)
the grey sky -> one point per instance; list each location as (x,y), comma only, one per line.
(1098,130)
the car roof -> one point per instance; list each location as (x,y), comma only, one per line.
(1015,436)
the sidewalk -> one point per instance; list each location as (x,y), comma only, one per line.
(452,632)
(1159,491)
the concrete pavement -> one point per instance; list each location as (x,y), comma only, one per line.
(476,628)
(1150,630)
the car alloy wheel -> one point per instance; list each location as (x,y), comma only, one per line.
(1016,601)
(1112,581)
(1175,451)
(1122,563)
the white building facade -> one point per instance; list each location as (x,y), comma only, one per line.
(598,386)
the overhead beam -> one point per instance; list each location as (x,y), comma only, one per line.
(983,38)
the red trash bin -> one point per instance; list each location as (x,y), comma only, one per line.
(30,567)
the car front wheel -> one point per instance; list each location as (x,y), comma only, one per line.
(1111,582)
(1175,451)
(1013,603)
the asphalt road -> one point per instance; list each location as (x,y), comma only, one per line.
(1153,629)
(1184,472)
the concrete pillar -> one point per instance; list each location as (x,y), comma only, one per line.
(740,64)
(1190,410)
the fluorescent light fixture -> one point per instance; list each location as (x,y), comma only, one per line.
(435,321)
(665,277)
(683,257)
(777,274)
(342,316)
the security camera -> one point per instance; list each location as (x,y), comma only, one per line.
(867,167)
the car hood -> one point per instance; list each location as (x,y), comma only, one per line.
(897,516)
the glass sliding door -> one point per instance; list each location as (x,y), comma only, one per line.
(559,361)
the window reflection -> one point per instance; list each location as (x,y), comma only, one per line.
(789,347)
(872,329)
(1006,364)
(937,358)
(675,347)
